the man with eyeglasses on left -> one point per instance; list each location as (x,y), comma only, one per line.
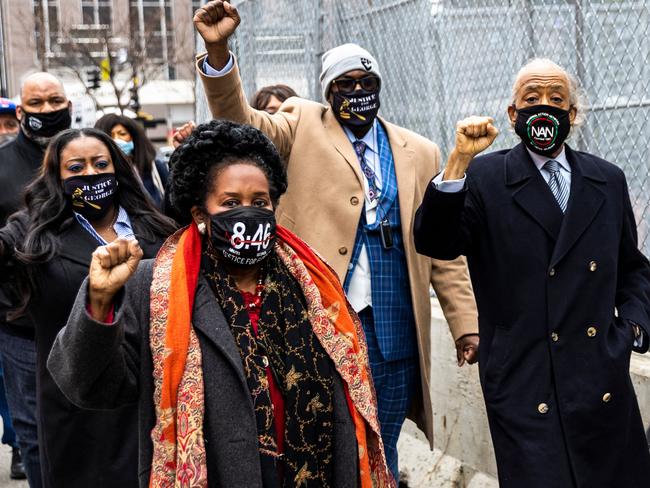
(354,179)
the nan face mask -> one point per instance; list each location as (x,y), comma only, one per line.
(543,128)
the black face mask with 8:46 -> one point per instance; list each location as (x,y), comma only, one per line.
(243,235)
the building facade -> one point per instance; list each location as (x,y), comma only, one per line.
(41,34)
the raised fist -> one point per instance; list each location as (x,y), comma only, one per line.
(216,21)
(182,133)
(474,135)
(110,268)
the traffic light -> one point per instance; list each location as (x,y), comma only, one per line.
(93,78)
(134,103)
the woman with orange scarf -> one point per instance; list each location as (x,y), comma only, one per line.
(249,366)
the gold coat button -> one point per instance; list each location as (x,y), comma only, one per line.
(555,337)
(551,272)
(607,397)
(343,250)
(542,408)
(593,266)
(591,331)
(354,201)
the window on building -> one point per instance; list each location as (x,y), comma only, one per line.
(152,22)
(97,12)
(46,14)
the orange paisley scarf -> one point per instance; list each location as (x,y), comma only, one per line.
(179,459)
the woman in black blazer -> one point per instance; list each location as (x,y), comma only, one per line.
(86,196)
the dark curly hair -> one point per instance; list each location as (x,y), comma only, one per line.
(209,149)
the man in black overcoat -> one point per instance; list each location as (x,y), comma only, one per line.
(561,286)
(44,111)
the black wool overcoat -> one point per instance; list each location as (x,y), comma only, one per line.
(556,294)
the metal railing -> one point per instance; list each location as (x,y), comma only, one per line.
(442,60)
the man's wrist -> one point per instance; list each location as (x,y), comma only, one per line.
(218,54)
(457,164)
(467,335)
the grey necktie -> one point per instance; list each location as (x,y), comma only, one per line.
(557,183)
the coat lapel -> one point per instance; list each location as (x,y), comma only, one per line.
(531,192)
(77,244)
(585,200)
(342,143)
(208,318)
(404,173)
(150,248)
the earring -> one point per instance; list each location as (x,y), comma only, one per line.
(201,227)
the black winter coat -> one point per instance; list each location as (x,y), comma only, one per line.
(554,356)
(78,448)
(20,161)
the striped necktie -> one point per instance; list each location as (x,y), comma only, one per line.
(371,177)
(557,183)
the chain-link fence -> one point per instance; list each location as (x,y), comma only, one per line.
(442,60)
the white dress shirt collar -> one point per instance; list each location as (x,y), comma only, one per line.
(370,138)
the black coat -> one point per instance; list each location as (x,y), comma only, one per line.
(554,359)
(20,160)
(105,367)
(78,448)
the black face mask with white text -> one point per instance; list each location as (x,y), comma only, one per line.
(45,125)
(91,195)
(243,235)
(357,109)
(543,128)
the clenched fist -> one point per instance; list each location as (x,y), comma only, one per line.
(182,133)
(473,136)
(216,21)
(110,268)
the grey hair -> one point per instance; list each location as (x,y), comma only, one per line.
(577,97)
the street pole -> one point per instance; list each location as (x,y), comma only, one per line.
(4,83)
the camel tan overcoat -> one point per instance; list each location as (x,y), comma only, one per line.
(324,201)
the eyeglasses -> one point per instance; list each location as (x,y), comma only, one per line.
(348,85)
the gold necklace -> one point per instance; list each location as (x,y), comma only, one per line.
(110,226)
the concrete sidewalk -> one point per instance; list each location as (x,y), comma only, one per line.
(5,461)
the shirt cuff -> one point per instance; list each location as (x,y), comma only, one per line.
(639,341)
(448,186)
(110,316)
(210,71)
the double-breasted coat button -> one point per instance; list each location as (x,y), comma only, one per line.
(607,397)
(591,331)
(343,250)
(542,408)
(555,337)
(593,266)
(551,272)
(354,201)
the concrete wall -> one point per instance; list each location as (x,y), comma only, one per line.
(463,455)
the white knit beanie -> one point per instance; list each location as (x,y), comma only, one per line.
(344,58)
